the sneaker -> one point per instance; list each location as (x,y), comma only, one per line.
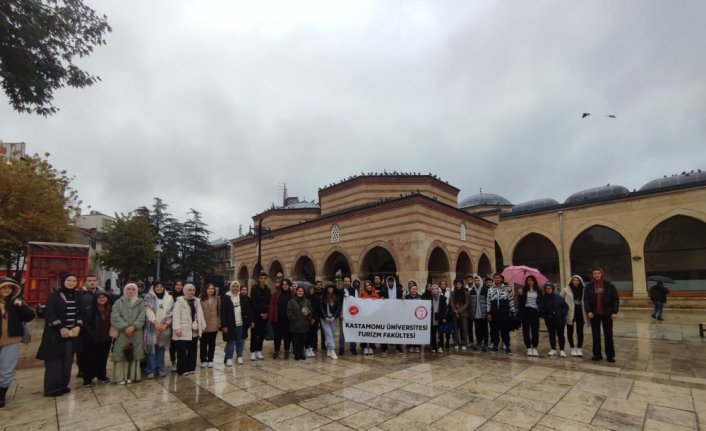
(332,354)
(530,352)
(579,352)
(455,347)
(174,368)
(150,376)
(121,383)
(162,374)
(328,353)
(229,362)
(552,352)
(310,353)
(535,352)
(383,353)
(493,349)
(210,365)
(508,351)
(259,356)
(573,351)
(464,348)
(611,360)
(433,350)
(204,364)
(239,360)
(253,356)
(562,353)
(128,381)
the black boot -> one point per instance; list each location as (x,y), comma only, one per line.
(3,392)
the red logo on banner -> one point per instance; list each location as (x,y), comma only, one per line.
(421,312)
(353,310)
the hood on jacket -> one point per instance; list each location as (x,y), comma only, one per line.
(16,288)
(102,293)
(394,281)
(479,278)
(583,284)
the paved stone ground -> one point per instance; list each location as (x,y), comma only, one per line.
(657,383)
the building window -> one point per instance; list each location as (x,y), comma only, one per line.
(463,231)
(335,234)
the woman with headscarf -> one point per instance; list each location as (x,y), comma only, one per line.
(97,342)
(300,316)
(14,312)
(128,318)
(211,307)
(158,334)
(177,291)
(63,319)
(235,321)
(188,324)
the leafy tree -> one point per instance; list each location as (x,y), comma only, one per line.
(36,204)
(129,246)
(39,40)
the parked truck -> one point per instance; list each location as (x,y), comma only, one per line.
(46,262)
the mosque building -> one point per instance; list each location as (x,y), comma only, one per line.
(413,226)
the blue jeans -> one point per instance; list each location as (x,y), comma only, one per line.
(236,344)
(8,363)
(658,311)
(155,361)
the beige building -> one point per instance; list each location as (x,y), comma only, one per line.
(412,226)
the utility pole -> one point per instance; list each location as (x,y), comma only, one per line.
(260,232)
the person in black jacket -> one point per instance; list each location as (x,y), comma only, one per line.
(352,290)
(602,304)
(235,321)
(88,296)
(63,319)
(390,291)
(310,342)
(554,310)
(658,296)
(260,296)
(529,298)
(96,339)
(14,312)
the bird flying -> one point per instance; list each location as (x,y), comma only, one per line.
(585,114)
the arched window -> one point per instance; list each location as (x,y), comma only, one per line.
(463,231)
(335,234)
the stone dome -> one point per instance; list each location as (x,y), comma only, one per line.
(534,205)
(596,193)
(676,180)
(484,199)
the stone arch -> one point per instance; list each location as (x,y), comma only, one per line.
(438,262)
(578,230)
(336,259)
(656,220)
(274,267)
(366,268)
(499,258)
(600,245)
(464,262)
(243,275)
(676,248)
(304,267)
(537,251)
(484,265)
(528,231)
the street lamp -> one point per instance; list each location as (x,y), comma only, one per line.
(158,249)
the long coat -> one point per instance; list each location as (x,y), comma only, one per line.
(181,319)
(52,345)
(126,314)
(298,322)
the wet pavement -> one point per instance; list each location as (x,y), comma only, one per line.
(657,383)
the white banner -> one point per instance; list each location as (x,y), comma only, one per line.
(386,321)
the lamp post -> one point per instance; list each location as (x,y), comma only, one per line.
(158,249)
(260,231)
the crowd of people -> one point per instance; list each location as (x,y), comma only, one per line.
(137,331)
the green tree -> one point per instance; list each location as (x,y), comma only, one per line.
(37,203)
(129,246)
(196,249)
(39,40)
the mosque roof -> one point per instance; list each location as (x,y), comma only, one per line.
(534,205)
(675,180)
(597,193)
(484,199)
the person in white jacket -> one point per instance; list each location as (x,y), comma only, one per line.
(188,324)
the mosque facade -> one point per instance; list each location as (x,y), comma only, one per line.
(413,226)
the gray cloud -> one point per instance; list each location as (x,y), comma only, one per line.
(212,105)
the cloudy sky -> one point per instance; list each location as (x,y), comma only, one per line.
(213,105)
